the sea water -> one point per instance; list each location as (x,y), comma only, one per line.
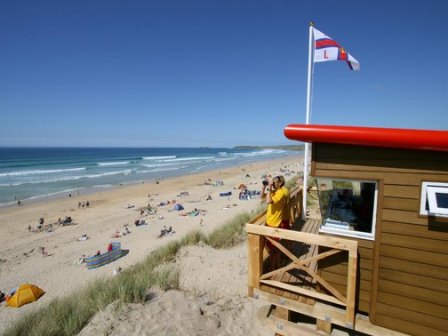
(28,174)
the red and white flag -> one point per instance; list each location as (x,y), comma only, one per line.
(327,49)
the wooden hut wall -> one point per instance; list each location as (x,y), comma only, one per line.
(404,272)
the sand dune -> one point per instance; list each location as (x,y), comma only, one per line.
(212,301)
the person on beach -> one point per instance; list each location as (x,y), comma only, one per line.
(41,223)
(277,214)
(277,197)
(44,252)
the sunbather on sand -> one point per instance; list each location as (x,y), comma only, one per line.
(82,259)
(140,222)
(166,232)
(83,237)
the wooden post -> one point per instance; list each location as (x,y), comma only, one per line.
(282,313)
(323,325)
(255,259)
(351,287)
(300,203)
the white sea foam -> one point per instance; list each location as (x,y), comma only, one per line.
(102,186)
(161,164)
(190,158)
(51,194)
(11,184)
(201,167)
(261,153)
(159,157)
(70,178)
(116,163)
(159,170)
(40,171)
(225,159)
(121,172)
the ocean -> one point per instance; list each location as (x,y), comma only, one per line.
(30,174)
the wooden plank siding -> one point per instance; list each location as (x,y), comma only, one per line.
(405,272)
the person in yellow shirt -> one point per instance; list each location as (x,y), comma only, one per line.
(277,197)
(277,213)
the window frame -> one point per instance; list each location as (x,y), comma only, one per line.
(350,233)
(428,191)
(433,187)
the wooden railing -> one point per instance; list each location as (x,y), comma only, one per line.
(258,234)
(295,204)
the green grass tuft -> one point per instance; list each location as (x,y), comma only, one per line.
(231,234)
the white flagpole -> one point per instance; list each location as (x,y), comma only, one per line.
(308,113)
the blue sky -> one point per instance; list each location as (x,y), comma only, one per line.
(213,73)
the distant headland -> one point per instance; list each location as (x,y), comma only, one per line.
(284,147)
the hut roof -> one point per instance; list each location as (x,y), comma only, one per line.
(432,140)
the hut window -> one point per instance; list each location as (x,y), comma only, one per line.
(434,199)
(348,207)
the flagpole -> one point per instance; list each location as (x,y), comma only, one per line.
(308,113)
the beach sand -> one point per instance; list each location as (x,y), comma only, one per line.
(59,273)
(212,300)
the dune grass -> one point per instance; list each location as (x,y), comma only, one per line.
(68,315)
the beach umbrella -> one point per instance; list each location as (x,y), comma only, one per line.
(26,293)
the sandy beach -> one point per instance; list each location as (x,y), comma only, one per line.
(59,272)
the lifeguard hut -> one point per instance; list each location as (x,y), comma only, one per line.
(376,259)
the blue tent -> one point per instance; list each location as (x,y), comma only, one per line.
(178,207)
